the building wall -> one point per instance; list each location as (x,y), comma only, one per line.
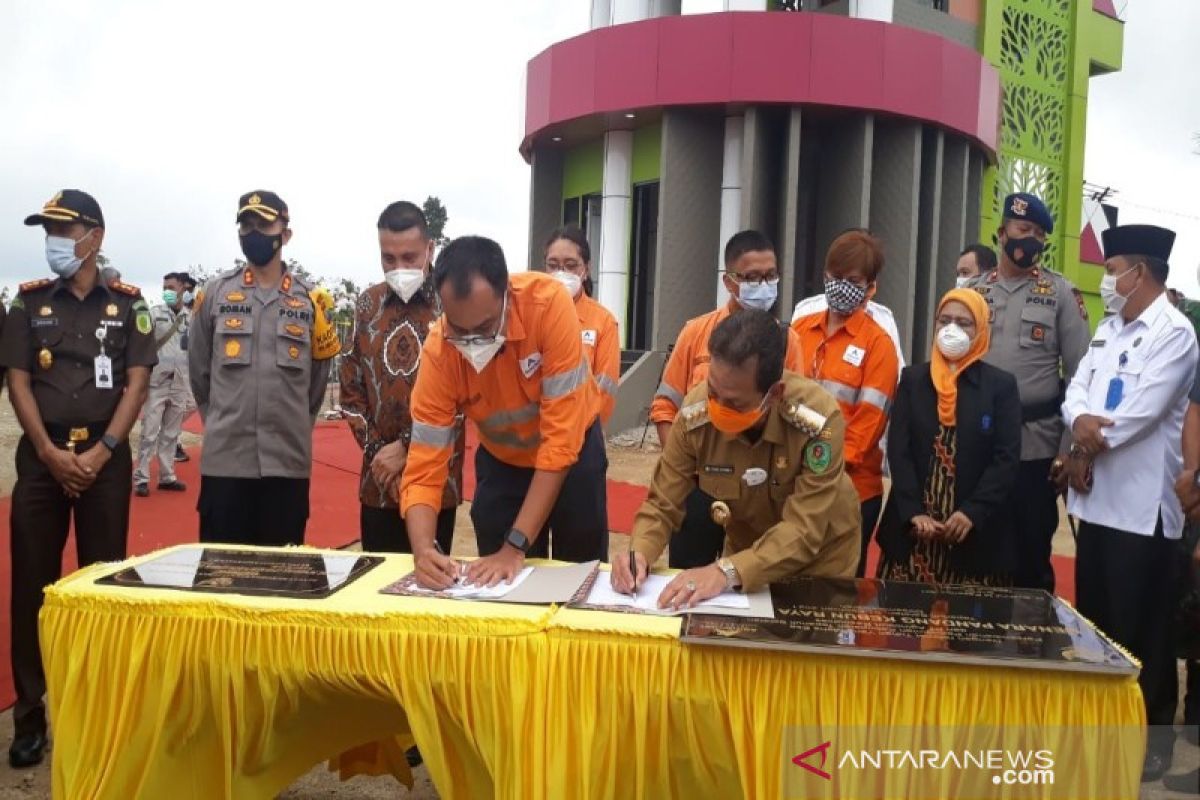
(647,153)
(583,169)
(545,199)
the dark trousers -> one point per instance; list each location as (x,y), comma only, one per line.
(578,522)
(256,511)
(383,530)
(699,541)
(1126,584)
(41,517)
(1035,506)
(870,509)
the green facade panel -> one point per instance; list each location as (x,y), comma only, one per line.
(583,169)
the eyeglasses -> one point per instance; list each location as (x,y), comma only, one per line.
(474,338)
(570,265)
(755,278)
(962,322)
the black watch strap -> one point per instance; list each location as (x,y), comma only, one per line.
(109,441)
(517,539)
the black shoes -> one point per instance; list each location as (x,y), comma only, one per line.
(27,750)
(142,490)
(1187,783)
(173,486)
(181,454)
(1155,766)
(413,756)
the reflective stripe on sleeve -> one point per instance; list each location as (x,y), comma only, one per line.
(556,386)
(607,384)
(669,392)
(877,399)
(432,435)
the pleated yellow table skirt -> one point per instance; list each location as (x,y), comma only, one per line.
(178,695)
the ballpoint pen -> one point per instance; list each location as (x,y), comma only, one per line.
(458,565)
(633,572)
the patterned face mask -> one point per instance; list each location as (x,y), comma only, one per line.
(843,296)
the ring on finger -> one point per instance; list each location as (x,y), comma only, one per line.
(691,586)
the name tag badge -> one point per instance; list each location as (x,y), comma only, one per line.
(530,363)
(104,378)
(1115,389)
(589,338)
(1097,343)
(854,355)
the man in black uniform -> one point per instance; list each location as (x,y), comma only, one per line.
(78,353)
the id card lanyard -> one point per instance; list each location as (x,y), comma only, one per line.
(1116,386)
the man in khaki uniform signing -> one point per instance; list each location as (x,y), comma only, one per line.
(767,446)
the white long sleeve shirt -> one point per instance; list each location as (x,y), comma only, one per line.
(1154,357)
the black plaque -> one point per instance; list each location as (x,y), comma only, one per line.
(265,573)
(891,619)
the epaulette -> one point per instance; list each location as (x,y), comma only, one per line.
(30,286)
(804,418)
(125,288)
(694,415)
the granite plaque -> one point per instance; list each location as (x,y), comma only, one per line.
(917,621)
(266,573)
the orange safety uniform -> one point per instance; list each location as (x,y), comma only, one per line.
(532,403)
(859,367)
(688,365)
(602,346)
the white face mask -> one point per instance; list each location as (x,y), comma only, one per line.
(758,296)
(60,255)
(478,354)
(405,282)
(962,280)
(953,342)
(1114,301)
(573,282)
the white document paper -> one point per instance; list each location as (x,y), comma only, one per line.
(465,591)
(603,594)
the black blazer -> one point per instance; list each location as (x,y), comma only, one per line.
(988,419)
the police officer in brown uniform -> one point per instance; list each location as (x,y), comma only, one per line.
(767,446)
(78,353)
(258,365)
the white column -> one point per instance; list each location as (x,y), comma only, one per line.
(630,11)
(731,196)
(601,13)
(616,211)
(880,10)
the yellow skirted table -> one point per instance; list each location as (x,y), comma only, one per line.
(160,693)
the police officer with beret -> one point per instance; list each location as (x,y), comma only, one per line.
(78,352)
(259,357)
(1039,334)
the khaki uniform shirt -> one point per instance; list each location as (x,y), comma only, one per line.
(1039,334)
(792,508)
(51,334)
(255,381)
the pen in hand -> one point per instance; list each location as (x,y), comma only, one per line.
(458,565)
(633,573)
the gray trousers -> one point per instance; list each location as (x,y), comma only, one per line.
(162,421)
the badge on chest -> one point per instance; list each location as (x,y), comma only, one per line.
(854,355)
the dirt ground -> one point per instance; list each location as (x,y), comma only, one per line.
(630,460)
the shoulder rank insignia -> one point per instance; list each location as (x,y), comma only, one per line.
(30,286)
(125,288)
(1079,302)
(804,418)
(694,415)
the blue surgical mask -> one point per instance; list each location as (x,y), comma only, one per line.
(170,297)
(60,255)
(758,296)
(188,297)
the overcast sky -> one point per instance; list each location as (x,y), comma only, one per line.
(166,112)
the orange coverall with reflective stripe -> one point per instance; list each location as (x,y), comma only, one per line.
(602,345)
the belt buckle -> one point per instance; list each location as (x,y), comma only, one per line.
(75,436)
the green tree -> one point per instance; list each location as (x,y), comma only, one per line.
(437,217)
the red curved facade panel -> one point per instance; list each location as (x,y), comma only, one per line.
(755,57)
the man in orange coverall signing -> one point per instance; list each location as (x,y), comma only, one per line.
(508,354)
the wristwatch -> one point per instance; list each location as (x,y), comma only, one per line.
(1196,479)
(109,441)
(1077,451)
(517,539)
(732,579)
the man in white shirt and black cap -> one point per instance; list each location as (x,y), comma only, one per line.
(1125,407)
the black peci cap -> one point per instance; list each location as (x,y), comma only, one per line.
(1138,240)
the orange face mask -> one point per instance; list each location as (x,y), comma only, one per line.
(731,422)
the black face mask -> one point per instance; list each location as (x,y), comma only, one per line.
(1024,252)
(259,248)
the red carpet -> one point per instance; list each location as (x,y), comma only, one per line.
(167,518)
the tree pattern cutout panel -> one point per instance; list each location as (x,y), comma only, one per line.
(1034,67)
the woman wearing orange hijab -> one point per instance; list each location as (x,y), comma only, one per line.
(954,448)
